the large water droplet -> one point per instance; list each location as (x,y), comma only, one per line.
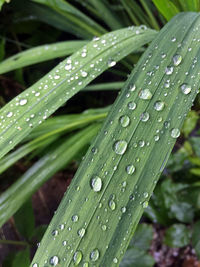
(169,70)
(96,183)
(144,116)
(124,120)
(177,59)
(145,94)
(130,169)
(9,114)
(185,88)
(54,261)
(77,257)
(22,102)
(175,132)
(132,105)
(120,147)
(112,204)
(115,260)
(74,218)
(35,265)
(159,105)
(111,63)
(81,232)
(94,255)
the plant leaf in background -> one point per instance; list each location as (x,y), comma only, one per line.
(40,54)
(177,236)
(167,8)
(38,102)
(120,170)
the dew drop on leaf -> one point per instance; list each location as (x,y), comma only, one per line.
(177,59)
(132,105)
(74,218)
(35,265)
(144,116)
(120,147)
(186,89)
(85,264)
(112,204)
(159,105)
(81,232)
(124,121)
(96,183)
(130,169)
(54,260)
(94,255)
(169,70)
(115,260)
(9,114)
(175,132)
(104,227)
(23,102)
(111,63)
(145,94)
(77,257)
(145,204)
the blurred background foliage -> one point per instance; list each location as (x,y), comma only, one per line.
(169,233)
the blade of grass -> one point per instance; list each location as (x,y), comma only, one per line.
(35,104)
(56,159)
(190,5)
(122,166)
(104,86)
(166,8)
(109,17)
(74,16)
(152,18)
(40,54)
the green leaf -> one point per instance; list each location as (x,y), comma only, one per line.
(122,166)
(184,212)
(25,220)
(56,159)
(38,102)
(2,2)
(40,54)
(2,49)
(189,5)
(190,122)
(177,236)
(143,237)
(167,8)
(195,238)
(137,258)
(195,171)
(39,232)
(22,259)
(195,142)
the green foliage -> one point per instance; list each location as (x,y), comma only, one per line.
(177,236)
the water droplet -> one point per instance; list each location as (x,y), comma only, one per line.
(112,204)
(111,63)
(54,261)
(35,265)
(115,260)
(130,169)
(84,74)
(96,184)
(94,255)
(169,70)
(104,227)
(144,116)
(145,204)
(81,232)
(156,138)
(22,102)
(146,195)
(77,257)
(159,105)
(9,114)
(123,209)
(85,264)
(132,105)
(175,132)
(56,77)
(120,147)
(173,39)
(55,233)
(145,94)
(124,120)
(177,59)
(68,66)
(185,88)
(132,88)
(141,143)
(74,218)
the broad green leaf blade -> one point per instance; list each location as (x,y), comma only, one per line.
(40,54)
(47,133)
(38,102)
(74,16)
(190,5)
(2,2)
(57,158)
(121,168)
(167,8)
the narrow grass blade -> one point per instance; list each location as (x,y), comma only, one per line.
(104,86)
(166,8)
(190,5)
(108,15)
(47,133)
(40,54)
(56,159)
(149,11)
(74,16)
(2,2)
(38,102)
(122,167)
